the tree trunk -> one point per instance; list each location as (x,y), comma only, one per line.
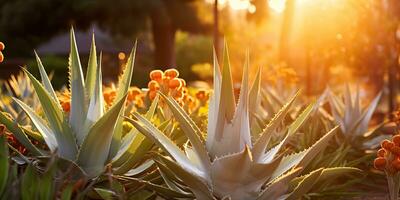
(164,39)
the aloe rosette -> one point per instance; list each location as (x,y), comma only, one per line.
(352,117)
(227,164)
(88,134)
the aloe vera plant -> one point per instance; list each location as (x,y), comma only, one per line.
(351,116)
(88,135)
(227,164)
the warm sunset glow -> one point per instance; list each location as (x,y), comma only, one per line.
(277,5)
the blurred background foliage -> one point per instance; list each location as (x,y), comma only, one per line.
(326,42)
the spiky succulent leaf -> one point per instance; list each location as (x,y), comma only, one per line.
(148,129)
(278,187)
(161,190)
(140,169)
(40,125)
(197,185)
(360,127)
(239,176)
(233,133)
(96,104)
(329,173)
(19,133)
(78,111)
(305,185)
(261,144)
(67,147)
(214,103)
(255,99)
(269,155)
(123,86)
(46,80)
(91,74)
(128,155)
(302,159)
(94,150)
(191,130)
(226,105)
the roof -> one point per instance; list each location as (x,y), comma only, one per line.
(60,44)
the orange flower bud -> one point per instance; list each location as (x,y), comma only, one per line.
(156,75)
(166,80)
(174,83)
(109,96)
(178,95)
(183,82)
(135,91)
(172,73)
(395,150)
(396,140)
(2,46)
(201,95)
(380,163)
(66,106)
(152,94)
(1,57)
(153,85)
(130,96)
(185,90)
(381,153)
(396,164)
(386,144)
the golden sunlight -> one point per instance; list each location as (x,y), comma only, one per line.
(277,5)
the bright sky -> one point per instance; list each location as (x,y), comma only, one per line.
(277,5)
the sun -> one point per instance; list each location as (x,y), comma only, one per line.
(277,5)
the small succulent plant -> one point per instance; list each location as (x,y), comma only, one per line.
(350,115)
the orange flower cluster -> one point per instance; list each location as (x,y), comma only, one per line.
(388,157)
(13,141)
(2,46)
(135,97)
(168,83)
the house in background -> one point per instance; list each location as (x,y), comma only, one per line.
(115,53)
